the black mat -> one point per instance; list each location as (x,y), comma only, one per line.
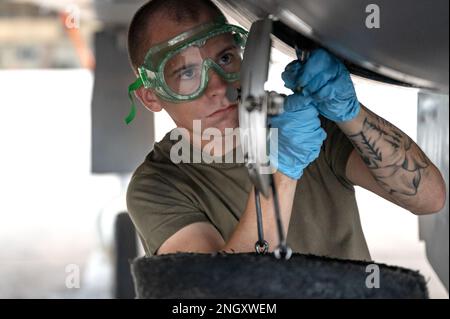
(253,276)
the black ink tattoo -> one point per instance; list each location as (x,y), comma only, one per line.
(394,160)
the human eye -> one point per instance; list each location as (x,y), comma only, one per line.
(226,58)
(188,73)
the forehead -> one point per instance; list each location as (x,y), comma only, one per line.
(167,29)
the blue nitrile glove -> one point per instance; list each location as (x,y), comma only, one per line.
(300,136)
(324,78)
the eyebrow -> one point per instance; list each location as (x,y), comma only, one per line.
(232,46)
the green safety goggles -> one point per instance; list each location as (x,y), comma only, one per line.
(178,69)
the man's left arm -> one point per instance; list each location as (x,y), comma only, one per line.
(387,162)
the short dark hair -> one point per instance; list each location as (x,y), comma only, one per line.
(176,10)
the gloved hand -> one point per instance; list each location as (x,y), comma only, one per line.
(325,79)
(300,136)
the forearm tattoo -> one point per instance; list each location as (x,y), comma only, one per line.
(395,161)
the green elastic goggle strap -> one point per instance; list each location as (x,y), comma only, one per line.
(133,87)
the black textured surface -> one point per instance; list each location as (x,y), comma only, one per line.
(254,276)
(126,250)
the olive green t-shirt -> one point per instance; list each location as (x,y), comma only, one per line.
(164,197)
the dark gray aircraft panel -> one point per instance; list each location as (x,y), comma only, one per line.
(432,136)
(116,147)
(410,45)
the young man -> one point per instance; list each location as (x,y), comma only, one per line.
(187,57)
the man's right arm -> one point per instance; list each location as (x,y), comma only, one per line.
(204,237)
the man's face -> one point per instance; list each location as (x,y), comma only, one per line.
(212,109)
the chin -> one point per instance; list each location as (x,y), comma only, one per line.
(228,124)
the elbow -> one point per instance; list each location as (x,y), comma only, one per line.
(435,202)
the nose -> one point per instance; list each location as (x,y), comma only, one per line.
(217,87)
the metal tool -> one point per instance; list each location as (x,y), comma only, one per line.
(255,106)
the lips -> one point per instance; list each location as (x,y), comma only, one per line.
(224,110)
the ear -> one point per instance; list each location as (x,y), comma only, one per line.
(149,99)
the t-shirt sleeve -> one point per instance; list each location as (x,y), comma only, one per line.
(337,149)
(158,210)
